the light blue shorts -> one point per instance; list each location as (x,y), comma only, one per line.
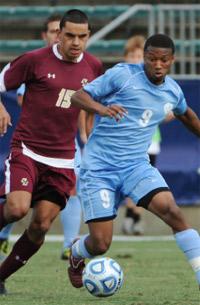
(102,191)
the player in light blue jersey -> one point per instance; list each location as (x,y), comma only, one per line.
(115,162)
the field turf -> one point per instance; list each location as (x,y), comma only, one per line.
(155,272)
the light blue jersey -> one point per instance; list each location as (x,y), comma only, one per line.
(117,144)
(115,162)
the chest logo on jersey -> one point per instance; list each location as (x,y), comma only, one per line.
(51,75)
(64,98)
(84,82)
(167,108)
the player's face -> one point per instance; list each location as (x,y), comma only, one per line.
(51,35)
(134,57)
(73,38)
(157,63)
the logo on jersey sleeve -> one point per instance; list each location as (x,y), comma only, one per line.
(51,75)
(64,98)
(24,181)
(84,82)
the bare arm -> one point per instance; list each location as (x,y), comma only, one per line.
(84,101)
(191,121)
(89,123)
(20,100)
(82,126)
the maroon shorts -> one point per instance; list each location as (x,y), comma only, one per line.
(43,181)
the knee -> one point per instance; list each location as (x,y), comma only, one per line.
(166,207)
(16,210)
(175,212)
(101,245)
(39,227)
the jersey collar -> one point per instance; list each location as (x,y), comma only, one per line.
(59,56)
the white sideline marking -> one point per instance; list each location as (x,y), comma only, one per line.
(59,238)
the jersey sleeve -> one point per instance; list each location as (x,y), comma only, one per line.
(181,107)
(17,72)
(107,84)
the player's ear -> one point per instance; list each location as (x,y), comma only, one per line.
(43,35)
(173,59)
(59,35)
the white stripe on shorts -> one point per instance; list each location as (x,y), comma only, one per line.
(7,175)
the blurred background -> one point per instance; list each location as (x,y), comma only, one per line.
(113,23)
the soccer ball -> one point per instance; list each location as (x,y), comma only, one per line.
(102,277)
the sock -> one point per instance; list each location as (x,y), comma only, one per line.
(5,232)
(23,249)
(71,220)
(2,218)
(189,242)
(79,250)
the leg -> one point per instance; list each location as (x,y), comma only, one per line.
(164,206)
(43,215)
(5,232)
(16,188)
(97,242)
(188,240)
(4,237)
(71,220)
(132,223)
(71,215)
(100,237)
(98,201)
(29,243)
(16,207)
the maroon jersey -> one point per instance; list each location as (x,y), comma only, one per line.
(48,121)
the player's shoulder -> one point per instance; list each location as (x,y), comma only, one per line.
(92,60)
(126,70)
(129,68)
(31,58)
(37,53)
(173,85)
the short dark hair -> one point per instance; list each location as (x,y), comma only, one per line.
(74,16)
(160,41)
(51,18)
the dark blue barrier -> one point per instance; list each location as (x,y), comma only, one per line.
(179,160)
(9,100)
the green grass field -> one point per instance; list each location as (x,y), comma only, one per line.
(155,273)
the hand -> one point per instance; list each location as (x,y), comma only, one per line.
(5,120)
(114,111)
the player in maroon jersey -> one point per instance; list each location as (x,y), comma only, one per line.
(40,168)
(49,35)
